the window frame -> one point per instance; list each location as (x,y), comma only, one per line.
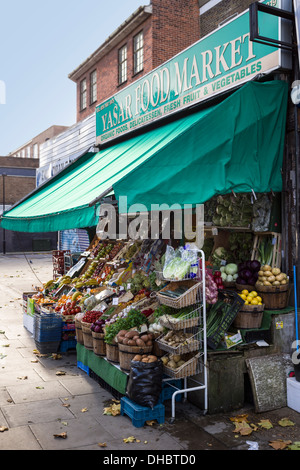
(93,87)
(122,65)
(83,94)
(138,65)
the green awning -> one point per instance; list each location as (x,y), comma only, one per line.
(236,145)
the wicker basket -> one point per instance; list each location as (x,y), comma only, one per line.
(274,297)
(249,316)
(127,353)
(189,368)
(190,320)
(190,297)
(189,345)
(87,335)
(78,330)
(99,346)
(112,353)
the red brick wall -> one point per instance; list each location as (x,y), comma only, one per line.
(107,70)
(210,20)
(173,26)
(176,26)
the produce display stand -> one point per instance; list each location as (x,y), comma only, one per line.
(193,325)
(114,278)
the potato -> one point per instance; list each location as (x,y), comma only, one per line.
(268,273)
(275,271)
(263,279)
(149,343)
(176,357)
(283,282)
(140,342)
(152,359)
(125,340)
(172,364)
(122,332)
(131,334)
(267,283)
(260,273)
(266,267)
(180,363)
(137,357)
(279,277)
(276,283)
(271,279)
(131,342)
(145,359)
(164,360)
(145,338)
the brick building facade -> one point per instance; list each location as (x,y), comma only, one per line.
(150,36)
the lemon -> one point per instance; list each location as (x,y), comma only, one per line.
(259,303)
(259,298)
(255,294)
(254,302)
(243,296)
(245,292)
(246,302)
(249,298)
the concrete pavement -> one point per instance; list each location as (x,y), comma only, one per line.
(37,402)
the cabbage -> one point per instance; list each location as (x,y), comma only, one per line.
(231,269)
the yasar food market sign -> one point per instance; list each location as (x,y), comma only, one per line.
(224,59)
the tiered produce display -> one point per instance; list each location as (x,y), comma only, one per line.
(139,300)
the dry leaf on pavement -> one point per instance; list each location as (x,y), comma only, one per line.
(63,435)
(129,439)
(265,423)
(286,422)
(279,445)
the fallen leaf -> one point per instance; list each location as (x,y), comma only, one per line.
(151,422)
(84,410)
(145,442)
(286,422)
(129,439)
(56,356)
(39,388)
(34,361)
(279,445)
(64,423)
(3,428)
(265,423)
(102,444)
(294,446)
(63,435)
(112,410)
(243,428)
(23,378)
(5,345)
(239,419)
(60,372)
(66,405)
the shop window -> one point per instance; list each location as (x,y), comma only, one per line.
(138,52)
(122,64)
(93,87)
(83,94)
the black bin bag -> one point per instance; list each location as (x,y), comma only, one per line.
(145,382)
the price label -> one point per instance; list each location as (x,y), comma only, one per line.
(103,275)
(115,301)
(128,285)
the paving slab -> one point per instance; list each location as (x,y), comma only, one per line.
(15,376)
(81,432)
(42,411)
(20,438)
(37,391)
(80,385)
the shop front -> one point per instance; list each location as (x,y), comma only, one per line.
(202,136)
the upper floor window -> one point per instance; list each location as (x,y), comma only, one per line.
(35,151)
(28,152)
(83,94)
(93,87)
(138,52)
(123,64)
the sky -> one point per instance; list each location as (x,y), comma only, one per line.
(40,44)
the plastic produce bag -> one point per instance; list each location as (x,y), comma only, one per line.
(144,384)
(180,264)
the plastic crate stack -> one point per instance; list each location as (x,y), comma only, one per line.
(58,261)
(47,332)
(68,339)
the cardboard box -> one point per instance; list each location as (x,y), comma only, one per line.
(293,393)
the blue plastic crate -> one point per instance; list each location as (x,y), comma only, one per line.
(83,367)
(168,390)
(68,344)
(140,414)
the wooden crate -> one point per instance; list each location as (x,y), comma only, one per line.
(277,247)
